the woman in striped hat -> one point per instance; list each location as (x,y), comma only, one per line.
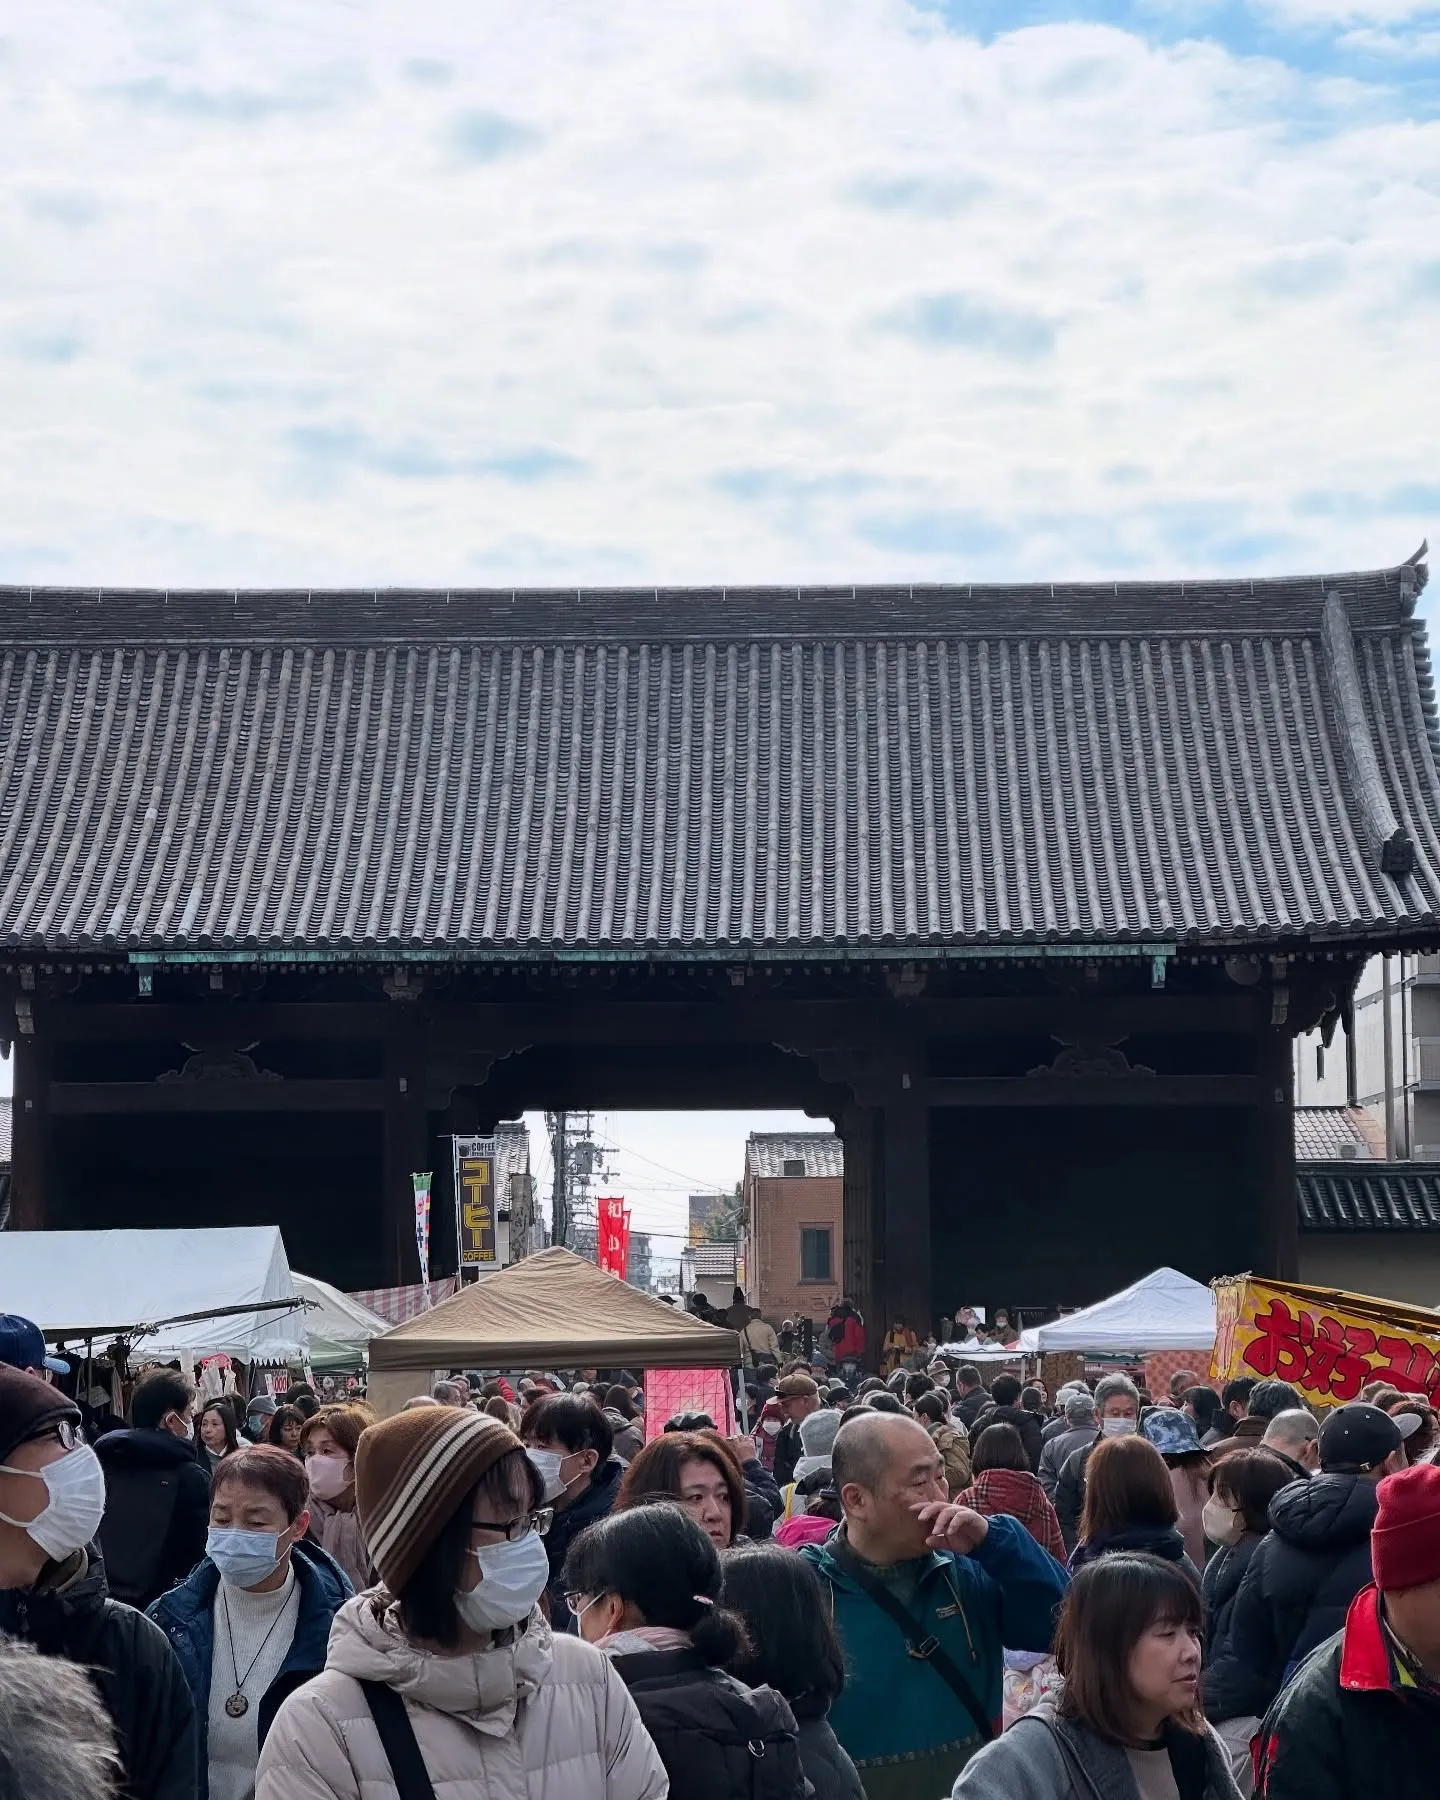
(449,1665)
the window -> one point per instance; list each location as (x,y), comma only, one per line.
(793,1165)
(815,1252)
(1319,1062)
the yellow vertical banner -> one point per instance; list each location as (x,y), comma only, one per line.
(475,1229)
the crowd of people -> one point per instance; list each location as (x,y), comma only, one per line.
(899,1586)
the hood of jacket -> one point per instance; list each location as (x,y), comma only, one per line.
(141,1448)
(481,1688)
(1326,1513)
(1155,1540)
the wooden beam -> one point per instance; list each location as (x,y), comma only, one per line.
(1070,1090)
(1279,1221)
(857,1127)
(68,1098)
(905,1287)
(30,1136)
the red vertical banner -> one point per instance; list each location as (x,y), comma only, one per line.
(613,1247)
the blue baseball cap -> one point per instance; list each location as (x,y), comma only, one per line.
(22,1346)
(1171,1431)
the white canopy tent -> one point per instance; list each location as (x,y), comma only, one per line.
(1162,1311)
(98,1285)
(338,1327)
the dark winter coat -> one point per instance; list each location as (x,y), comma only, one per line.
(566,1526)
(764,1503)
(1352,1723)
(788,1451)
(187,1617)
(1057,1451)
(69,1612)
(717,1738)
(1228,1689)
(969,1407)
(1148,1540)
(1301,1580)
(827,1765)
(151,1476)
(1069,1495)
(1028,1424)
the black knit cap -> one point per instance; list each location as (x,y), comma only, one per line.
(29,1407)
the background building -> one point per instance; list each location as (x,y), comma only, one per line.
(794,1194)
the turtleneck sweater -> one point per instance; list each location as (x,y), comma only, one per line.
(234,1744)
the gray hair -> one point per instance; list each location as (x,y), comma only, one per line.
(57,1741)
(1079,1409)
(1111,1385)
(1292,1429)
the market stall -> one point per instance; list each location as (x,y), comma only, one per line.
(1163,1311)
(553,1310)
(338,1327)
(169,1295)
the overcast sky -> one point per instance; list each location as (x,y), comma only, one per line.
(716,290)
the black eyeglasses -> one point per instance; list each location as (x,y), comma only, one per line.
(512,1530)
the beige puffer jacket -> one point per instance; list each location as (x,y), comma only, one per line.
(538,1718)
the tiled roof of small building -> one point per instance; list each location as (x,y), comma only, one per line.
(1370,1197)
(767,1152)
(1334,1133)
(710,1260)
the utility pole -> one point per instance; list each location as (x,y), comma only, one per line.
(559,1191)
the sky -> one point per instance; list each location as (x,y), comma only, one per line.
(670,291)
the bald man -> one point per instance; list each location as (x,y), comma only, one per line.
(924,1594)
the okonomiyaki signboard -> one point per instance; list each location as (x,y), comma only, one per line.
(1325,1342)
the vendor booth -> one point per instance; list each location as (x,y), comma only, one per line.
(338,1327)
(1163,1311)
(553,1310)
(171,1295)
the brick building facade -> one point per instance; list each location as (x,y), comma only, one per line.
(794,1194)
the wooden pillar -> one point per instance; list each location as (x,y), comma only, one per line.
(1278,1235)
(858,1134)
(905,1285)
(30,1198)
(407,1151)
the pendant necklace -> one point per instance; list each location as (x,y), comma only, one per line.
(237,1705)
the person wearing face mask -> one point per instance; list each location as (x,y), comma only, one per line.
(1128,1723)
(157,1507)
(570,1442)
(252,1621)
(645,1588)
(328,1443)
(54,1594)
(1117,1410)
(1236,1518)
(450,1662)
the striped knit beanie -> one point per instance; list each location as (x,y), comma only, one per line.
(412,1472)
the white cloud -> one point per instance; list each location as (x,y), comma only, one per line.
(1348,12)
(814,289)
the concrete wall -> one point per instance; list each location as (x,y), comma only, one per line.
(778,1208)
(1393,1265)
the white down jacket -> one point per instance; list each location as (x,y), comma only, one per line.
(538,1717)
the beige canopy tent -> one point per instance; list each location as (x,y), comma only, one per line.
(551,1311)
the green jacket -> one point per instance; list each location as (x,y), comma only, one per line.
(907,1732)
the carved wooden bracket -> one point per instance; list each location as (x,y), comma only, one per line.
(213,1063)
(1090,1059)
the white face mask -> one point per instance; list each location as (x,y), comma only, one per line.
(513,1577)
(547,1465)
(1221,1523)
(72,1515)
(1117,1427)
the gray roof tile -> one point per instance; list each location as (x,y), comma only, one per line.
(1369,1197)
(767,1152)
(1330,1133)
(502,771)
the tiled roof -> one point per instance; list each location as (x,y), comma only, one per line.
(6,1116)
(1330,1133)
(767,1152)
(1369,1197)
(708,1260)
(815,768)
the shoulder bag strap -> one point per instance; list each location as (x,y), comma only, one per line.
(1082,1779)
(397,1738)
(926,1649)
